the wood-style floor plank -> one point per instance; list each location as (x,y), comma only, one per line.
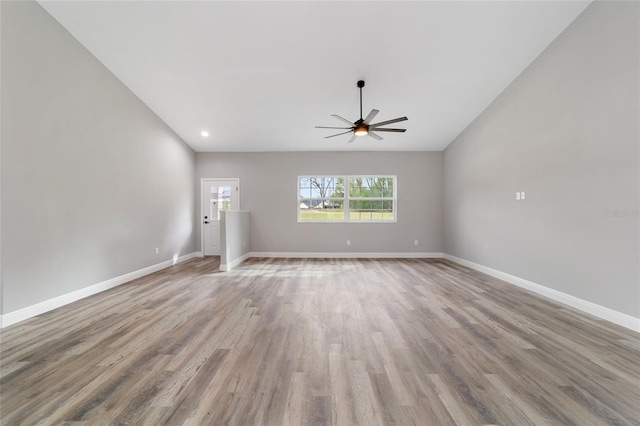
(318,342)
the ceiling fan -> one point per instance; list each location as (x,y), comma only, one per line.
(362,127)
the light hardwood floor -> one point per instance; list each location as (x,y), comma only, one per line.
(284,341)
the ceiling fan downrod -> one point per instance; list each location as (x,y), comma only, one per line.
(360,85)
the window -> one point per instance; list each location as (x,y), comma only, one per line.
(220,199)
(347,199)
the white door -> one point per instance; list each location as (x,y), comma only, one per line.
(217,195)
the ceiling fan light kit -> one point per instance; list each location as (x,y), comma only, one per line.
(362,127)
(361,131)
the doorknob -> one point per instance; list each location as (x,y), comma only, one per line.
(206,221)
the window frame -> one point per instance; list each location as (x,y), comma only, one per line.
(347,198)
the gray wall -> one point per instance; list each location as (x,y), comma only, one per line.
(235,236)
(92,180)
(565,132)
(268,185)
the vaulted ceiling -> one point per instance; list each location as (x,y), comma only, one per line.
(258,76)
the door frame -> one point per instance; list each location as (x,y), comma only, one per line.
(202,182)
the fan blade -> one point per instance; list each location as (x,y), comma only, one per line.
(353,138)
(342,119)
(324,127)
(373,135)
(338,134)
(384,123)
(382,129)
(371,116)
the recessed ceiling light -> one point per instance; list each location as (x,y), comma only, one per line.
(205,134)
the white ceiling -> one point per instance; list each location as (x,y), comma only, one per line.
(260,75)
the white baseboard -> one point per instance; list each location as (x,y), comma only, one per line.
(48,305)
(594,309)
(230,265)
(347,255)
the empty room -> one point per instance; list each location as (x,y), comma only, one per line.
(320,212)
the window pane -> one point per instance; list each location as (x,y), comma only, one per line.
(356,188)
(334,210)
(304,186)
(303,209)
(371,210)
(320,187)
(321,210)
(387,187)
(387,211)
(375,186)
(370,186)
(224,198)
(360,210)
(338,190)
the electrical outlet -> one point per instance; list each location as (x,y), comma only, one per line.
(522,195)
(415,242)
(157,250)
(518,196)
(348,242)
